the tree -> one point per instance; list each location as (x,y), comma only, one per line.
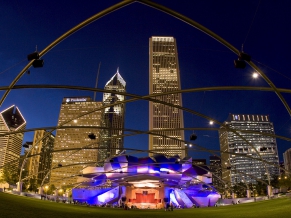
(261,188)
(253,189)
(2,180)
(10,175)
(51,189)
(284,182)
(32,185)
(275,181)
(240,189)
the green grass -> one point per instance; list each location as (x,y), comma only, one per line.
(22,207)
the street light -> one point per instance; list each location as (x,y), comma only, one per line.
(255,75)
(46,188)
(60,192)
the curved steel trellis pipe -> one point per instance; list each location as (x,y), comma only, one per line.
(140,131)
(201,89)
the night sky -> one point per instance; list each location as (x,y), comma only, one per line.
(120,40)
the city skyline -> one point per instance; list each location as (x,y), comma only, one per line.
(116,42)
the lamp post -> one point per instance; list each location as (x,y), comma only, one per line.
(46,188)
(60,192)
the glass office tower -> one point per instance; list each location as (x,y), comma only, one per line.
(73,149)
(242,163)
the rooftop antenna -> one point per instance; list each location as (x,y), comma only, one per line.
(97,80)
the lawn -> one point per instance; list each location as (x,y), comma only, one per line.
(22,207)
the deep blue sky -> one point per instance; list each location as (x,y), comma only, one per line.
(120,39)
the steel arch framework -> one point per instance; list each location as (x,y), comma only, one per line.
(174,14)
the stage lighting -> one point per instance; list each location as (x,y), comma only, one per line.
(239,64)
(33,56)
(92,136)
(193,137)
(38,63)
(244,56)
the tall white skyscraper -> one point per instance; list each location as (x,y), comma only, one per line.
(164,76)
(242,163)
(113,119)
(11,120)
(73,149)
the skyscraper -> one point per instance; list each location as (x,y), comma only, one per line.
(164,76)
(242,164)
(11,120)
(73,149)
(39,164)
(112,119)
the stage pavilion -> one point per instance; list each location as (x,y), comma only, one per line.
(150,182)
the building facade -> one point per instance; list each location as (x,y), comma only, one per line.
(215,168)
(73,149)
(40,163)
(11,120)
(164,76)
(112,119)
(199,162)
(240,160)
(287,160)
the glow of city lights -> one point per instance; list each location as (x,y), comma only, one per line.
(255,75)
